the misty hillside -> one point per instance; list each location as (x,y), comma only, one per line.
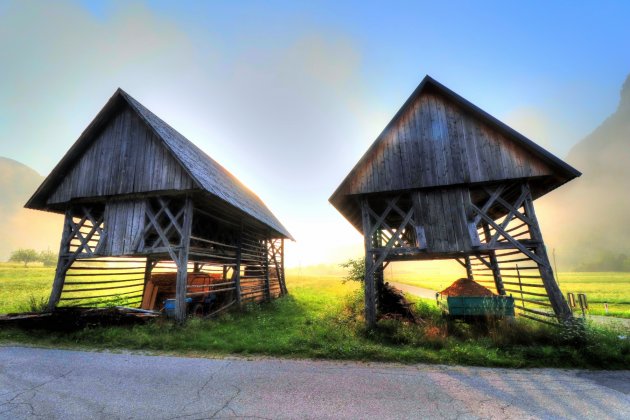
(589,220)
(17,184)
(21,227)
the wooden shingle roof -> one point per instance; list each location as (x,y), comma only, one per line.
(205,172)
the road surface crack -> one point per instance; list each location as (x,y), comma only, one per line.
(12,404)
(228,402)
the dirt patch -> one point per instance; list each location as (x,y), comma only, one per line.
(393,305)
(465,287)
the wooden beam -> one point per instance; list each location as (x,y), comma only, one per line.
(515,243)
(368,283)
(390,244)
(512,212)
(559,304)
(484,209)
(181,260)
(283,280)
(63,262)
(380,219)
(494,265)
(469,272)
(148,267)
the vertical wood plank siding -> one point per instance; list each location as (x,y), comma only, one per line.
(125,158)
(437,143)
(124,221)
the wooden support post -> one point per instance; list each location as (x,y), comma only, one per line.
(282,279)
(64,262)
(558,303)
(181,286)
(494,263)
(370,296)
(237,269)
(380,280)
(148,267)
(469,272)
(266,267)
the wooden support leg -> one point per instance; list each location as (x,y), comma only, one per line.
(370,295)
(496,273)
(182,263)
(148,267)
(469,272)
(283,283)
(496,270)
(380,280)
(64,262)
(558,303)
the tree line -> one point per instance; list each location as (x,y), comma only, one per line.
(29,255)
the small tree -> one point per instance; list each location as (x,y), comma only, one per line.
(48,258)
(24,255)
(356,270)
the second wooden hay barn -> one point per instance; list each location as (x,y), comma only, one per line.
(446,180)
(144,206)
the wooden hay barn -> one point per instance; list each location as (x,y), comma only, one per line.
(144,207)
(446,180)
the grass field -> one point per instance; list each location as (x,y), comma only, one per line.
(20,286)
(322,318)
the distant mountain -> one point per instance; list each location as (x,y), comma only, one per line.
(19,227)
(17,184)
(589,218)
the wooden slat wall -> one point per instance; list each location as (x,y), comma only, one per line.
(442,215)
(124,221)
(436,143)
(125,158)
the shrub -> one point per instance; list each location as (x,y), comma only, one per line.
(356,270)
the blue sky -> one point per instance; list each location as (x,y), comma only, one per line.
(288,95)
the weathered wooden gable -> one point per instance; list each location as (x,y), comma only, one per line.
(123,158)
(436,142)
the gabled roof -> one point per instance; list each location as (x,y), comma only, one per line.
(205,171)
(560,168)
(412,137)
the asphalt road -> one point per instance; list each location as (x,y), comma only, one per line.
(415,290)
(44,383)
